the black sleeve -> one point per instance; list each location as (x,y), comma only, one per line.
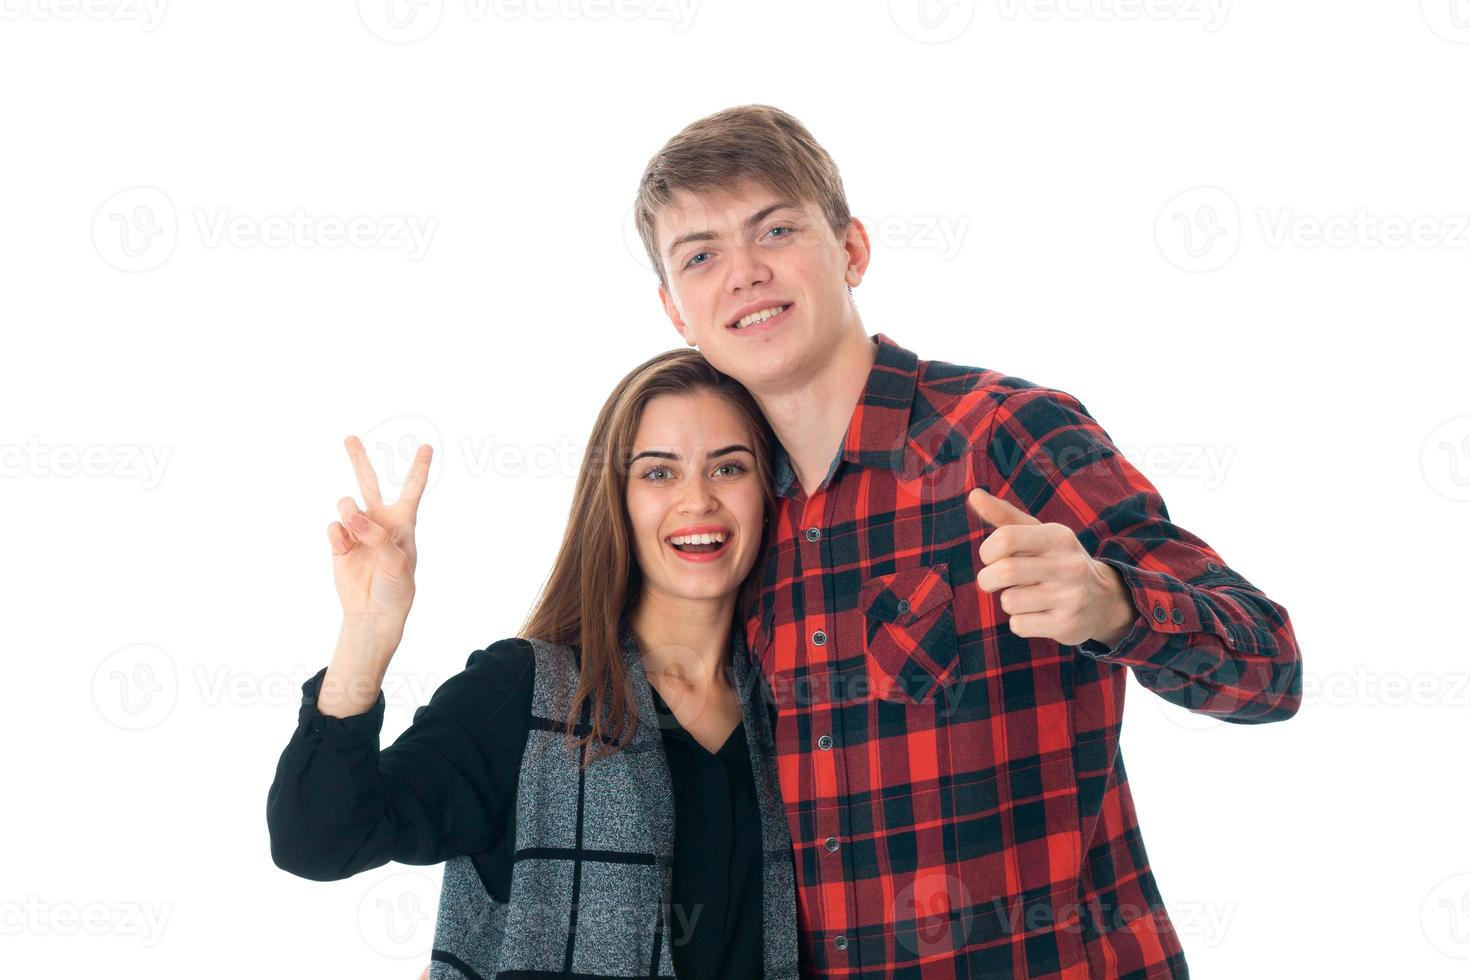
(445,787)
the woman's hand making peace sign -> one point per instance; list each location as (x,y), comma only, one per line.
(373,551)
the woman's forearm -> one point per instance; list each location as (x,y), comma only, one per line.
(355,675)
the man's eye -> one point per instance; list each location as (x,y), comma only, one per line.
(781,228)
(693,257)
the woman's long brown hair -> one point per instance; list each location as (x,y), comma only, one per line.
(595,579)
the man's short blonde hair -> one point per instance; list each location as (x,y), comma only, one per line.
(749,142)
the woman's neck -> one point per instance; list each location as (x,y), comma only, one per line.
(684,639)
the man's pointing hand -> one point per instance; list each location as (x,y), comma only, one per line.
(1049,585)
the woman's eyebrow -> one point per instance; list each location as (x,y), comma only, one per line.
(662,454)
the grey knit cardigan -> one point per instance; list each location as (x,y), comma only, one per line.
(592,868)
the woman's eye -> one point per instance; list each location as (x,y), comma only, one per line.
(734,467)
(650,475)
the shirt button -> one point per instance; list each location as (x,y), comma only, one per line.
(903,607)
(813,533)
(830,843)
(819,638)
(1211,566)
(840,942)
(1177,615)
(1160,614)
(825,743)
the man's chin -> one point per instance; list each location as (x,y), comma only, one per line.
(754,360)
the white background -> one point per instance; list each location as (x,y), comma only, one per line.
(1236,231)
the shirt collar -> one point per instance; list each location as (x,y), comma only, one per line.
(877,434)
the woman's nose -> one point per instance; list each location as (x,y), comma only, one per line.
(698,500)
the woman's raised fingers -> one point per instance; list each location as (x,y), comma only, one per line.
(418,477)
(367,478)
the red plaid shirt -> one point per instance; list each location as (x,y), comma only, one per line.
(956,793)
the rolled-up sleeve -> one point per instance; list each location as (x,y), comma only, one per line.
(338,805)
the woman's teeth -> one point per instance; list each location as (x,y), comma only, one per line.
(757,317)
(699,543)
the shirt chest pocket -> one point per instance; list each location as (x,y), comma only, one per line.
(908,618)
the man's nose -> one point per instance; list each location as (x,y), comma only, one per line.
(747,268)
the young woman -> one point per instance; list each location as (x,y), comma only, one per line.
(602,787)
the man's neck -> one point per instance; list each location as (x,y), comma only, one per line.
(811,417)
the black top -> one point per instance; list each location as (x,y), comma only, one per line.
(715,922)
(447,787)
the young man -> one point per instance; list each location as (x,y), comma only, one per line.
(962,569)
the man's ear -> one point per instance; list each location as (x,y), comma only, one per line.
(673,314)
(859,252)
